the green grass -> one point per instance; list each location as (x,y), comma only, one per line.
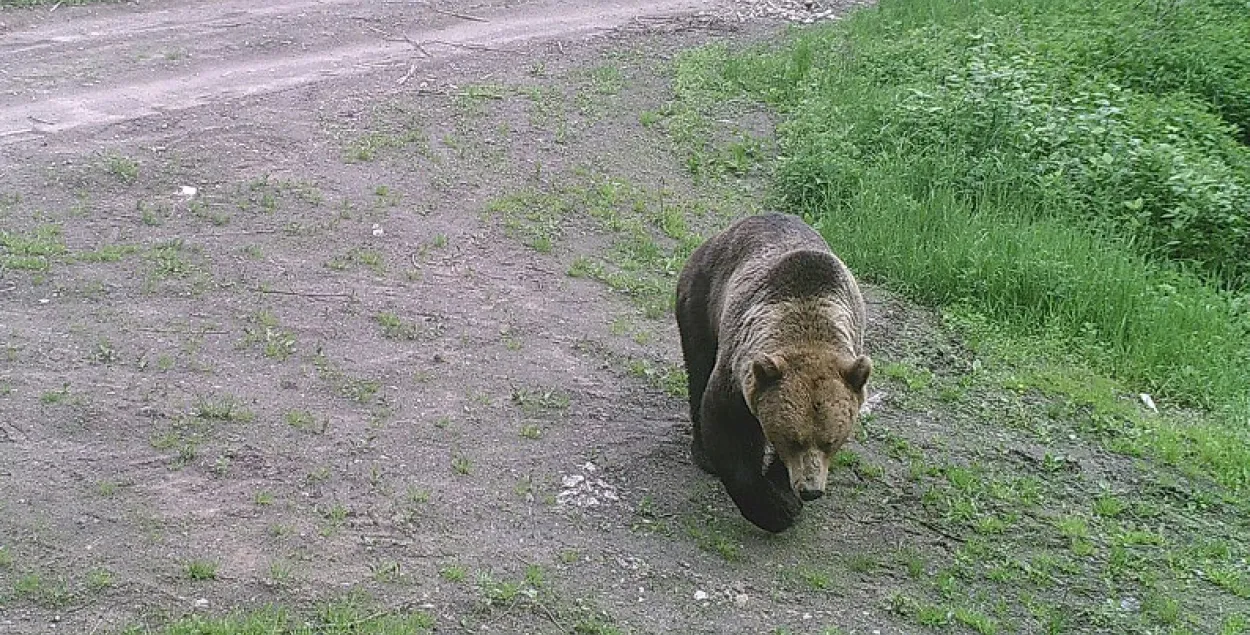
(961,152)
(351,615)
(32,252)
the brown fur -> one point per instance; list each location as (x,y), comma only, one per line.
(771,325)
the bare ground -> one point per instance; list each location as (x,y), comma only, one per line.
(376,349)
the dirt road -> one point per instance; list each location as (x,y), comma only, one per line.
(304,299)
(121,62)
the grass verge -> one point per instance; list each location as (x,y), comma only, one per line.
(964,154)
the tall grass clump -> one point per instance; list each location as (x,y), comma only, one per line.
(1004,154)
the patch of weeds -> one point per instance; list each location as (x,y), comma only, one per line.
(360,390)
(357,389)
(862,563)
(356,256)
(453,573)
(306,421)
(153,215)
(511,340)
(606,79)
(122,168)
(40,591)
(531,431)
(263,498)
(975,620)
(394,328)
(472,99)
(264,194)
(388,571)
(169,260)
(348,615)
(533,217)
(280,572)
(104,353)
(461,464)
(106,253)
(712,537)
(222,408)
(200,570)
(536,401)
(31,252)
(335,515)
(107,488)
(53,397)
(1108,506)
(915,379)
(99,579)
(368,146)
(418,495)
(669,378)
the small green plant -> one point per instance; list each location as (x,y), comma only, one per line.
(1108,506)
(307,421)
(280,572)
(453,573)
(200,570)
(537,401)
(99,579)
(222,408)
(31,252)
(263,330)
(123,168)
(395,328)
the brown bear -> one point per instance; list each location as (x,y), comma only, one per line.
(771,325)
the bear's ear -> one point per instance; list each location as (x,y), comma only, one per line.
(767,369)
(857,374)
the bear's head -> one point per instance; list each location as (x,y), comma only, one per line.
(807,402)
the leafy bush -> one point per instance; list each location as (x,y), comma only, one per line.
(999,152)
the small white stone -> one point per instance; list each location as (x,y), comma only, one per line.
(699,596)
(377,230)
(188,191)
(201,603)
(741,599)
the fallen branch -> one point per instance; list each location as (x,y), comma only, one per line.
(472,47)
(389,37)
(937,529)
(407,76)
(303,294)
(146,329)
(462,16)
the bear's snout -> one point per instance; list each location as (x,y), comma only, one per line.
(809,495)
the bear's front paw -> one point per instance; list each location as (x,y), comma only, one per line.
(768,506)
(778,514)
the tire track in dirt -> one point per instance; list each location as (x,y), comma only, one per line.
(309,42)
